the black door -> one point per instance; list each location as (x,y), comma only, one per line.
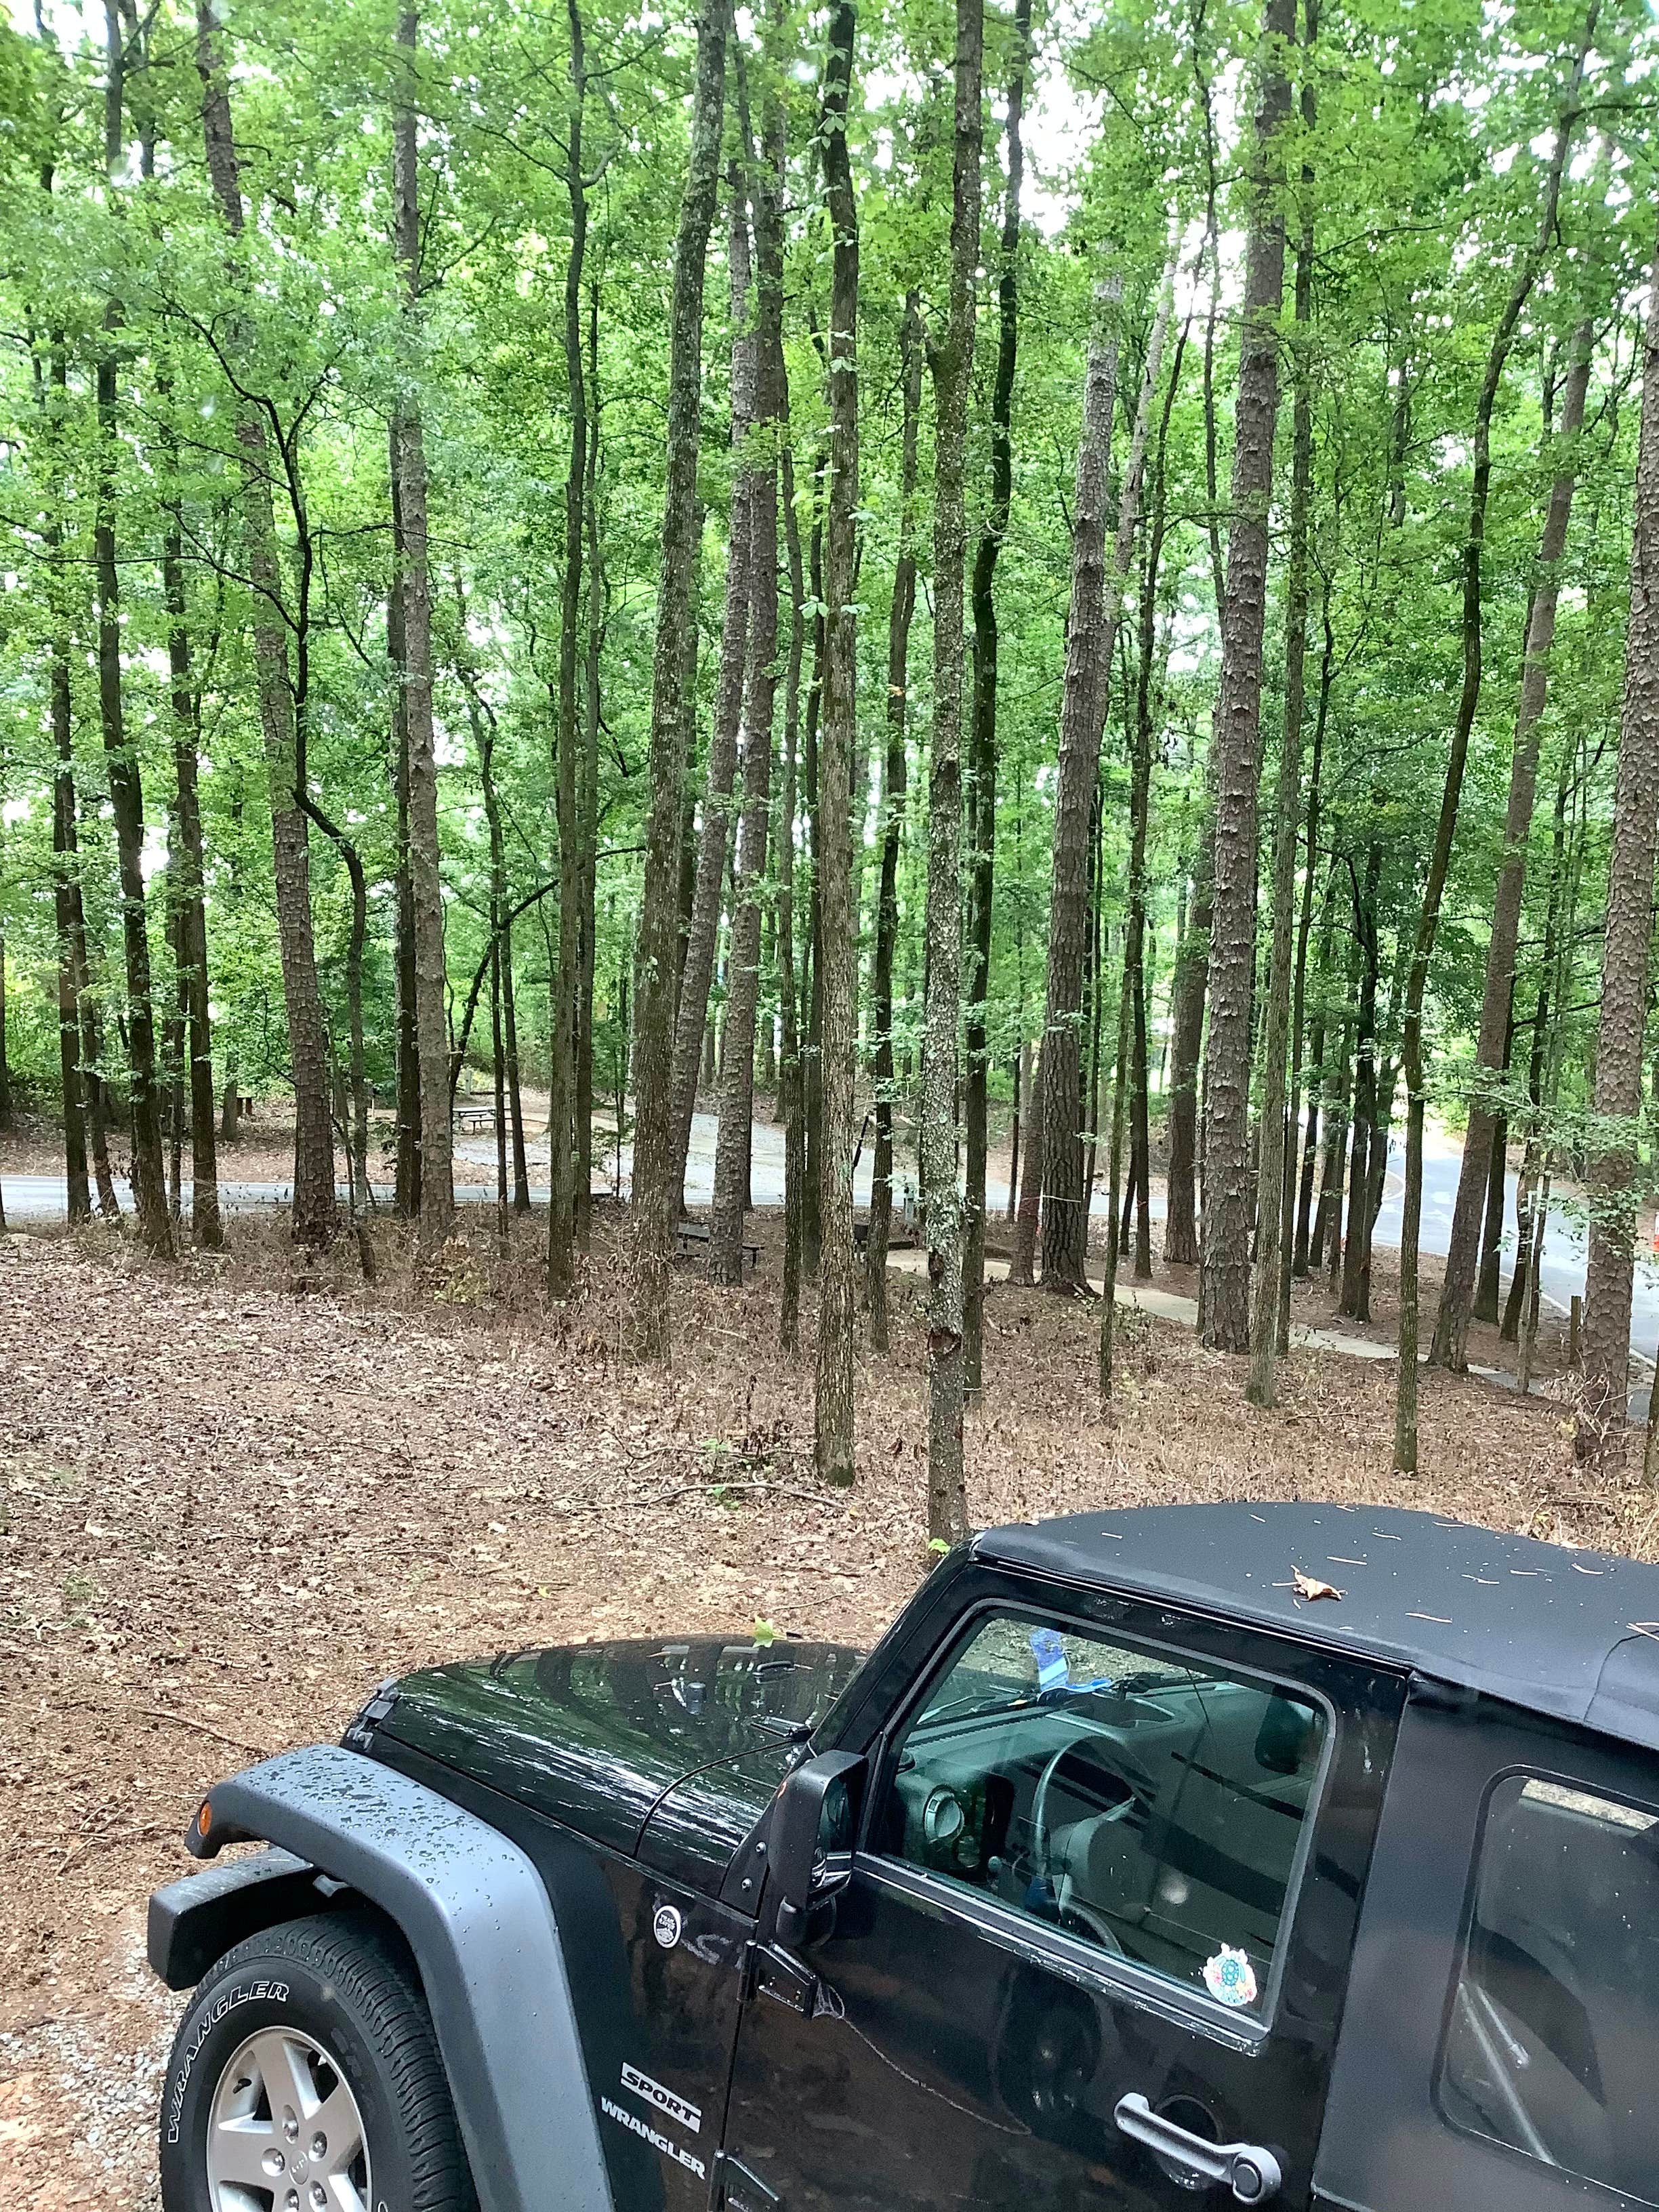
(1110,1854)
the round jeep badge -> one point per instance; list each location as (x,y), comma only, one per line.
(667,1925)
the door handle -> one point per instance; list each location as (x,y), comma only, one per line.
(1252,2174)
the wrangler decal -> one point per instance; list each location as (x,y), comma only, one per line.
(613,2110)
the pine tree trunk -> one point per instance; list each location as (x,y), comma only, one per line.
(587,804)
(692,1023)
(1090,634)
(406,1191)
(983,742)
(70,926)
(833,1398)
(1186,1041)
(562,1093)
(1625,955)
(1277,1127)
(314,1207)
(431,1006)
(894,771)
(791,1095)
(1449,1348)
(731,1146)
(1411,1055)
(656,1191)
(187,874)
(1140,794)
(1226,1256)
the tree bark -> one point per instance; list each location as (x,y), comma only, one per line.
(791,1095)
(1405,1420)
(1090,638)
(71,931)
(561,1108)
(894,772)
(186,877)
(983,742)
(1449,1348)
(833,1399)
(744,950)
(1275,1138)
(149,1175)
(587,806)
(314,1208)
(1225,1255)
(698,974)
(656,1190)
(415,581)
(951,361)
(406,1190)
(1625,954)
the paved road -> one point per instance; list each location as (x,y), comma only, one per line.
(33,1199)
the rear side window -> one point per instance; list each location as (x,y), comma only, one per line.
(1555,2013)
(1145,1802)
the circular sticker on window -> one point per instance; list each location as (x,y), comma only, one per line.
(1229,1978)
(665,1927)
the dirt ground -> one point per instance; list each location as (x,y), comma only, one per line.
(234,1495)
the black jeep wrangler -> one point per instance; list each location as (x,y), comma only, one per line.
(1272,1851)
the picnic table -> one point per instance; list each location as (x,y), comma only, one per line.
(693,1233)
(473,1119)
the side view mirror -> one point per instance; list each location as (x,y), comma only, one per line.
(812,1836)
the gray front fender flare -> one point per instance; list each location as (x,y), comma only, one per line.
(474,1913)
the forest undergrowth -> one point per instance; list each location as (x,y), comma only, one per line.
(235,1494)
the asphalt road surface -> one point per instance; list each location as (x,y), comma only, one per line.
(31,1199)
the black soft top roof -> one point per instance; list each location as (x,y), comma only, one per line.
(1574,1634)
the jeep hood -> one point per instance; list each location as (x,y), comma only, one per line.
(666,1750)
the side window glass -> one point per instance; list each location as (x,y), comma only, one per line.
(1555,2012)
(1149,1804)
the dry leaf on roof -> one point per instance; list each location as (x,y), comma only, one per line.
(1309,1586)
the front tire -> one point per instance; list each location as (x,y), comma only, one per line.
(306,2077)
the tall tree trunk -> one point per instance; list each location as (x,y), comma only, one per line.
(744,950)
(1356,1301)
(832,1428)
(983,742)
(893,777)
(562,1090)
(1275,1138)
(314,1210)
(148,1174)
(1186,1041)
(1492,1227)
(697,978)
(1405,1420)
(1225,1255)
(1626,948)
(186,876)
(1140,794)
(656,1190)
(1450,1347)
(1318,1084)
(71,929)
(951,360)
(415,580)
(791,1091)
(587,804)
(70,926)
(406,1190)
(1090,638)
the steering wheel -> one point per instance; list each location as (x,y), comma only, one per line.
(1087,1923)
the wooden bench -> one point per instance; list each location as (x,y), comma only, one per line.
(473,1121)
(693,1233)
